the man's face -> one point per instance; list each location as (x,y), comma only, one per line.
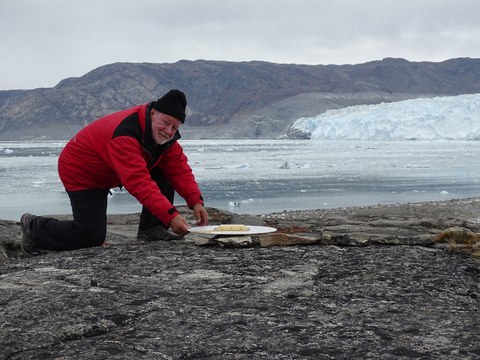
(164,126)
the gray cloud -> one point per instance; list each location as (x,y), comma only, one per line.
(44,41)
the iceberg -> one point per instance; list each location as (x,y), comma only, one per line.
(438,118)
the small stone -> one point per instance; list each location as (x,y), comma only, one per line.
(279,239)
(235,241)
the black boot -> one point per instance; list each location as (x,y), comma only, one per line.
(157,233)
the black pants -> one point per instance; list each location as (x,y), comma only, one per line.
(89,225)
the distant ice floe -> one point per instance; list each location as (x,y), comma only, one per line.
(438,118)
(237,204)
(236,166)
(288,165)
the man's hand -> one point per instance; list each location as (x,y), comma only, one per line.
(200,214)
(179,225)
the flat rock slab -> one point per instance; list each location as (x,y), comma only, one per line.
(177,300)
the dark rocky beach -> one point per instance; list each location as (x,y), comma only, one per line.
(378,282)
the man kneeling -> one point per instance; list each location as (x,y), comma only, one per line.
(137,149)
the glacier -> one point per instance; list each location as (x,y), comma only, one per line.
(437,118)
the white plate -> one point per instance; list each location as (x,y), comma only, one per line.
(252,230)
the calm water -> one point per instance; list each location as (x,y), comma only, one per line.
(268,176)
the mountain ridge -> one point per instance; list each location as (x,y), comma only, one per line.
(257,100)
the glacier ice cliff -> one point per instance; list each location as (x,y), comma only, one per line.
(438,118)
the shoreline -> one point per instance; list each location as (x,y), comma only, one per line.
(466,208)
(463,206)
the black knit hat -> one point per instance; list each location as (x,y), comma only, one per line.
(172,103)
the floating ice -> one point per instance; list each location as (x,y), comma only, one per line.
(233,204)
(321,174)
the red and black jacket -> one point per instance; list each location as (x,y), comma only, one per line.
(119,150)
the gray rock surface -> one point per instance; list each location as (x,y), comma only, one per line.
(373,285)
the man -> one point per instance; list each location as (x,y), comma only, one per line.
(137,149)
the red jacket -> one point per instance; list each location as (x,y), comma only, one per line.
(118,150)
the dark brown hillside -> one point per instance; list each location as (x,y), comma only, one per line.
(229,99)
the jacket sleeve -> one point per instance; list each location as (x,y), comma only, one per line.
(128,162)
(174,166)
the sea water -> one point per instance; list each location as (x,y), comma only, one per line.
(264,176)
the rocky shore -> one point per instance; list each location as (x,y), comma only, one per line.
(379,282)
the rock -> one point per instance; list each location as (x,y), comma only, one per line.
(280,239)
(10,235)
(235,241)
(263,240)
(460,239)
(459,235)
(348,299)
(345,239)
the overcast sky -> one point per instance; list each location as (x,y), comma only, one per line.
(45,41)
